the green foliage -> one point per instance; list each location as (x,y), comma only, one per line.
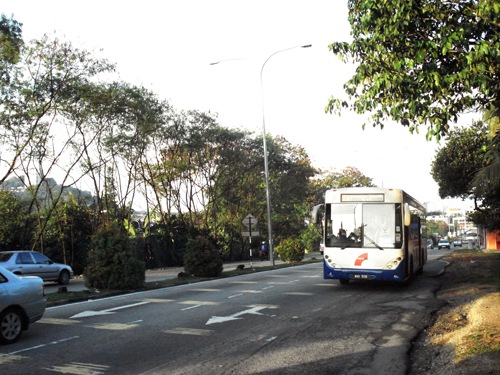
(457,162)
(466,167)
(202,259)
(11,220)
(487,212)
(67,233)
(311,237)
(111,263)
(440,227)
(348,177)
(291,250)
(11,43)
(421,63)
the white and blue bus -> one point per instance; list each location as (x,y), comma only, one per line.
(372,234)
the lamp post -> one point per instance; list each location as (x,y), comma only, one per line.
(266,166)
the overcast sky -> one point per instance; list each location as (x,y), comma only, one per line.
(168,46)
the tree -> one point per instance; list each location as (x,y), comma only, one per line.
(457,162)
(11,42)
(11,220)
(455,168)
(68,231)
(348,177)
(290,171)
(422,62)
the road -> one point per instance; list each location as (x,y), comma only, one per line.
(284,321)
(78,284)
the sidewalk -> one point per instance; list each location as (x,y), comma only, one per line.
(172,272)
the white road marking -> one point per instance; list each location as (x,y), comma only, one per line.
(299,294)
(191,307)
(254,310)
(45,345)
(86,314)
(189,331)
(78,368)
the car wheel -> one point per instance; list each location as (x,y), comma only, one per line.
(10,326)
(63,278)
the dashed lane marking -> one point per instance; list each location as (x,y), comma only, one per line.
(205,290)
(9,358)
(62,322)
(114,326)
(157,300)
(189,331)
(78,368)
(208,303)
(299,294)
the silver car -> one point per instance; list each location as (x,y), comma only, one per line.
(33,263)
(22,302)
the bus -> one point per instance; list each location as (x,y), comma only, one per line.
(372,233)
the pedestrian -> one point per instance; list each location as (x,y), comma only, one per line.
(264,251)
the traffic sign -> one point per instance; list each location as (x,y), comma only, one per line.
(253,234)
(249,220)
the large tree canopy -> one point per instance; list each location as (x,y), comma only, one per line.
(422,62)
(456,163)
(455,166)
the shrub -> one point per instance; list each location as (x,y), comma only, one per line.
(291,250)
(201,258)
(311,238)
(111,263)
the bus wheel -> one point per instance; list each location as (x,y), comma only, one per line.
(343,281)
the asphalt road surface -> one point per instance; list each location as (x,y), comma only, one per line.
(284,321)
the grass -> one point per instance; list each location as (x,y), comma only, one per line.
(483,334)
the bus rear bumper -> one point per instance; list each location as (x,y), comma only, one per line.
(395,275)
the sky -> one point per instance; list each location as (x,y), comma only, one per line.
(170,46)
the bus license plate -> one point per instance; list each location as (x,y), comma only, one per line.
(361,276)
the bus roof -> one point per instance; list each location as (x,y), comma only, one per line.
(371,194)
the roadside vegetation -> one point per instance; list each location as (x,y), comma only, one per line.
(465,335)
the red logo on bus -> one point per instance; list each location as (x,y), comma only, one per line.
(361,259)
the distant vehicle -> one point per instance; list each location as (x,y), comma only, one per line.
(22,302)
(443,244)
(471,236)
(33,263)
(430,244)
(457,242)
(321,247)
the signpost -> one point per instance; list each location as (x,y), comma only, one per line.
(250,221)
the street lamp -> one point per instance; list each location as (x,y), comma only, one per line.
(266,167)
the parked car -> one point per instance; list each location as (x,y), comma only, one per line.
(22,302)
(457,242)
(430,244)
(443,244)
(33,263)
